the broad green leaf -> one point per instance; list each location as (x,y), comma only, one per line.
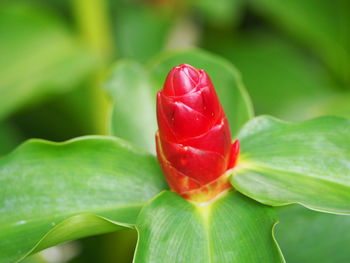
(134,111)
(321,24)
(133,90)
(232,229)
(306,163)
(53,192)
(39,56)
(308,236)
(34,259)
(73,228)
(280,79)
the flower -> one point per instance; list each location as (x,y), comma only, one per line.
(194,146)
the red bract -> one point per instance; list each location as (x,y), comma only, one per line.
(194,140)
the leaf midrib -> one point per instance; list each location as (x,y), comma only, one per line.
(204,213)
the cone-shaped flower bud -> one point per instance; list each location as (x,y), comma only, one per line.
(194,140)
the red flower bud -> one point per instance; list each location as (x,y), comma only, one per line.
(194,139)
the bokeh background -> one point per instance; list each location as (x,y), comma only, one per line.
(293,55)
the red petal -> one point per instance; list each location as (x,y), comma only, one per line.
(181,80)
(217,139)
(213,109)
(183,120)
(202,166)
(177,181)
(234,153)
(163,123)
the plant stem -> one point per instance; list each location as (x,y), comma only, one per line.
(93,24)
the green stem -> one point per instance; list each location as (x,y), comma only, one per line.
(92,19)
(93,23)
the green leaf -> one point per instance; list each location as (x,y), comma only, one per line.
(134,109)
(306,163)
(34,259)
(308,236)
(54,192)
(280,79)
(133,89)
(39,57)
(232,229)
(304,19)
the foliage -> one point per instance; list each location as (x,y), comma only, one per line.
(57,58)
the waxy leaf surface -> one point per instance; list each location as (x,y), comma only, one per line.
(134,104)
(309,236)
(306,163)
(233,229)
(54,192)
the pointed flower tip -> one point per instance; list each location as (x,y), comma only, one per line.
(181,80)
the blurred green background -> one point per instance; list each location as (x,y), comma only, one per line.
(293,55)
